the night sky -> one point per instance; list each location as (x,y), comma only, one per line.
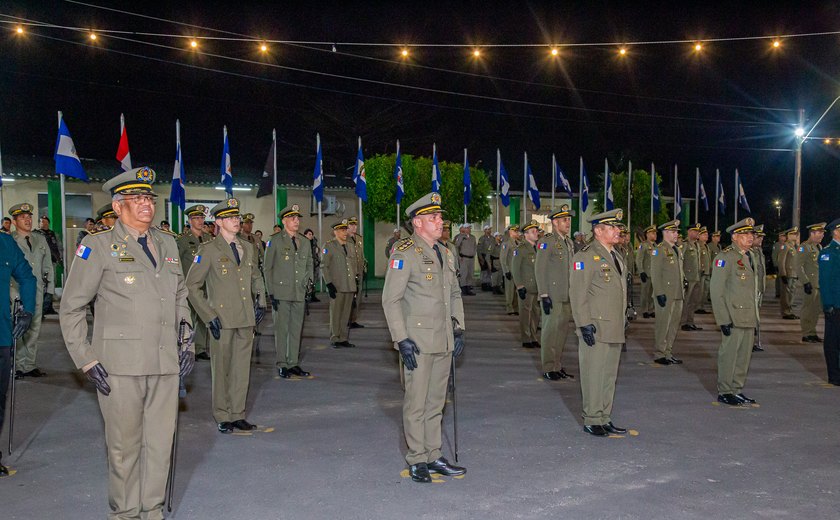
(661,103)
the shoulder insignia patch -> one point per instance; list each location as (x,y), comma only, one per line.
(654,252)
(404,244)
(825,257)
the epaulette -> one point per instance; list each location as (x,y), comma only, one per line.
(726,249)
(548,235)
(170,233)
(403,244)
(586,247)
(98,232)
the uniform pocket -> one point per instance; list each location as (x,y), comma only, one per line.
(129,282)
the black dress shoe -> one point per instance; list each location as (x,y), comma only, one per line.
(356,325)
(596,430)
(35,372)
(336,344)
(675,361)
(611,428)
(700,311)
(663,361)
(419,473)
(4,471)
(816,339)
(203,355)
(243,425)
(729,399)
(647,315)
(551,376)
(296,370)
(443,467)
(757,348)
(744,399)
(284,373)
(564,374)
(314,300)
(535,344)
(790,317)
(225,427)
(19,374)
(512,313)
(686,327)
(695,327)
(526,344)
(347,344)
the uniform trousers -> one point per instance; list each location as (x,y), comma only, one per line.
(810,313)
(646,304)
(691,302)
(201,333)
(831,347)
(529,317)
(485,273)
(667,323)
(356,304)
(734,360)
(230,366)
(288,325)
(140,415)
(5,376)
(598,372)
(466,267)
(555,328)
(511,298)
(786,300)
(27,345)
(340,307)
(425,395)
(496,275)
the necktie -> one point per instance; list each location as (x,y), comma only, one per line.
(294,243)
(749,257)
(617,264)
(28,242)
(235,252)
(437,252)
(143,241)
(344,247)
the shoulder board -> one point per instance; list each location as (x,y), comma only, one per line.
(97,232)
(586,247)
(170,233)
(726,249)
(548,235)
(404,244)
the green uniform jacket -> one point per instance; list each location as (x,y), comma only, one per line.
(508,246)
(138,306)
(809,271)
(188,247)
(230,288)
(643,257)
(40,260)
(666,272)
(554,257)
(420,296)
(774,254)
(705,259)
(691,261)
(787,261)
(338,267)
(598,294)
(733,290)
(359,258)
(760,268)
(522,268)
(288,271)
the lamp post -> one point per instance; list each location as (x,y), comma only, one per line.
(801,137)
(778,205)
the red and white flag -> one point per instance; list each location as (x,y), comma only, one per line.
(123,155)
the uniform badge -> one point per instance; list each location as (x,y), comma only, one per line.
(130,279)
(543,245)
(145,175)
(654,252)
(418,250)
(268,244)
(429,276)
(396,264)
(578,266)
(515,252)
(115,247)
(197,259)
(325,251)
(83,252)
(720,263)
(825,258)
(596,258)
(224,271)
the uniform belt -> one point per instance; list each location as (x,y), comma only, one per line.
(494,257)
(467,256)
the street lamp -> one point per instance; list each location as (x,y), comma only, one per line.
(801,137)
(778,205)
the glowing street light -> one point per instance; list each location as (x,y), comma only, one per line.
(622,51)
(93,37)
(777,43)
(19,29)
(799,132)
(554,51)
(778,205)
(263,47)
(404,53)
(698,46)
(476,53)
(193,44)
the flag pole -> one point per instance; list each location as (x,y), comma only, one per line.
(606,182)
(697,195)
(274,187)
(580,195)
(525,190)
(676,189)
(717,196)
(177,208)
(320,216)
(1,182)
(63,202)
(465,205)
(398,187)
(360,225)
(652,180)
(736,200)
(498,186)
(629,193)
(122,123)
(553,179)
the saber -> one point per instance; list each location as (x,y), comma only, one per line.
(182,392)
(454,406)
(15,315)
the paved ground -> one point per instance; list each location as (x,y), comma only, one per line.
(336,448)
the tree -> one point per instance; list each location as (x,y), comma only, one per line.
(417,181)
(641,199)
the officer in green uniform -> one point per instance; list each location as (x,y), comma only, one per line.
(355,239)
(484,249)
(467,250)
(188,243)
(509,244)
(598,296)
(525,281)
(337,267)
(445,240)
(774,256)
(809,275)
(693,275)
(714,245)
(496,264)
(734,302)
(705,270)
(760,276)
(643,268)
(37,253)
(391,241)
(667,278)
(552,266)
(133,357)
(422,303)
(227,291)
(288,275)
(105,217)
(789,273)
(245,233)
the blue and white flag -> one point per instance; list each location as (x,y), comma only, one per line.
(561,180)
(742,198)
(318,174)
(584,188)
(657,201)
(721,199)
(610,202)
(436,179)
(359,176)
(504,188)
(703,198)
(467,181)
(677,198)
(227,173)
(398,175)
(533,191)
(66,160)
(178,195)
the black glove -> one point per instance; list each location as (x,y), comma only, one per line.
(685,284)
(643,277)
(808,288)
(587,332)
(259,314)
(459,342)
(186,362)
(97,375)
(275,302)
(661,299)
(547,305)
(331,290)
(407,350)
(215,327)
(522,292)
(830,312)
(785,280)
(726,329)
(22,323)
(508,276)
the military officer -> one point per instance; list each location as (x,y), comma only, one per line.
(789,273)
(714,245)
(667,278)
(246,233)
(524,279)
(37,253)
(829,279)
(598,296)
(355,239)
(706,257)
(808,269)
(467,249)
(552,266)
(509,244)
(734,302)
(643,267)
(288,276)
(693,273)
(134,358)
(7,226)
(485,248)
(188,243)
(774,256)
(425,315)
(105,217)
(391,241)
(338,268)
(445,240)
(495,264)
(760,276)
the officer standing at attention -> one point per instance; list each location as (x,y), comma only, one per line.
(227,291)
(552,266)
(734,302)
(806,262)
(667,279)
(425,315)
(705,270)
(391,241)
(133,358)
(496,264)
(466,251)
(760,274)
(693,275)
(246,234)
(288,274)
(37,253)
(789,273)
(643,267)
(361,269)
(337,267)
(13,267)
(105,218)
(509,244)
(445,240)
(598,297)
(485,248)
(829,277)
(524,278)
(188,243)
(774,256)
